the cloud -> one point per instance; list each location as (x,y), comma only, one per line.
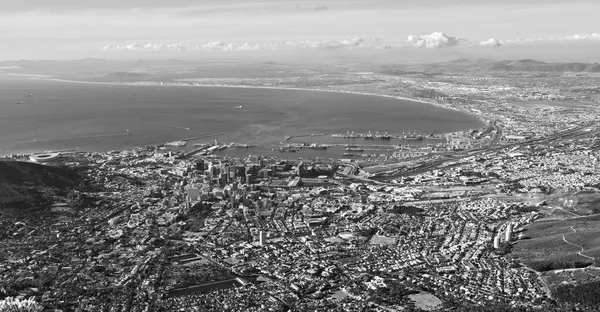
(593,36)
(231,47)
(147,47)
(492,42)
(224,47)
(575,37)
(327,44)
(435,40)
(178,47)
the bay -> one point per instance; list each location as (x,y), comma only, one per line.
(56,115)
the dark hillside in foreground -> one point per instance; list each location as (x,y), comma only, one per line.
(24,185)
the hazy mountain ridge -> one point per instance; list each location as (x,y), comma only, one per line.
(109,70)
(485,67)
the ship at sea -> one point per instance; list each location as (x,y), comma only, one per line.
(315,146)
(288,149)
(174,143)
(412,136)
(384,136)
(347,135)
(377,136)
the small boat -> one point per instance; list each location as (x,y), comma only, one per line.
(20,102)
(29,95)
(239,107)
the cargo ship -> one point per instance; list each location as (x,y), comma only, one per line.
(288,149)
(174,143)
(347,135)
(412,136)
(377,136)
(385,136)
(317,146)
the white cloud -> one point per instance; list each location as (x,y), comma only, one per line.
(327,44)
(227,47)
(593,36)
(224,47)
(575,37)
(435,40)
(178,47)
(147,47)
(492,42)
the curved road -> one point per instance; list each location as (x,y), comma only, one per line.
(582,249)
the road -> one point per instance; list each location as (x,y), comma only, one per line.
(497,134)
(430,165)
(541,279)
(570,243)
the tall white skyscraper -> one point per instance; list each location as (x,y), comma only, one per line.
(497,242)
(508,232)
(262,238)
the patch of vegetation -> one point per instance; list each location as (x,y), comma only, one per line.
(546,250)
(526,209)
(587,203)
(394,293)
(585,294)
(550,265)
(411,210)
(24,185)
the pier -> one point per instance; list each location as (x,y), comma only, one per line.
(202,136)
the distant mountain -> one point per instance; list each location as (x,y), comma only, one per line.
(125,75)
(88,62)
(537,66)
(485,66)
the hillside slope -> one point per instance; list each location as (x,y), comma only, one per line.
(24,185)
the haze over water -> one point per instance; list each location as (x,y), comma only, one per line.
(95,117)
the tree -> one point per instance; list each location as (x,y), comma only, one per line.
(11,304)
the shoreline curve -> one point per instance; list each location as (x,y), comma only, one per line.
(191,83)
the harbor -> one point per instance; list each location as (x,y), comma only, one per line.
(370,147)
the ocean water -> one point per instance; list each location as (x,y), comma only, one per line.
(96,117)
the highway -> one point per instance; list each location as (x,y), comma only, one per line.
(431,165)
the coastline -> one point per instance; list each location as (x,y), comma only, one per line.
(191,83)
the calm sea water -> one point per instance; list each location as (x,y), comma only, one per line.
(94,117)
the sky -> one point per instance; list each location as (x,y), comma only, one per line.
(75,29)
